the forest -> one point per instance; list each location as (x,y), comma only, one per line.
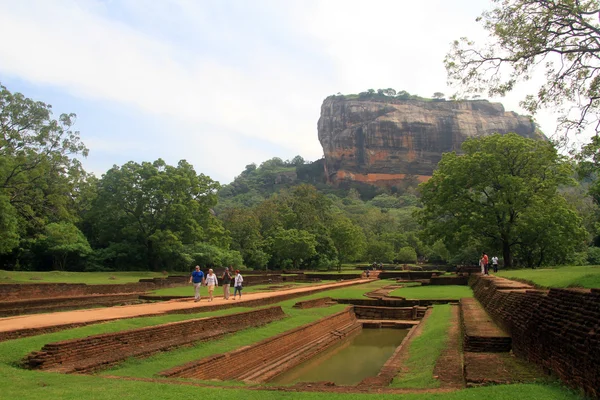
(506,195)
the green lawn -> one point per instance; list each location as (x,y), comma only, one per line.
(581,276)
(434,292)
(425,349)
(92,278)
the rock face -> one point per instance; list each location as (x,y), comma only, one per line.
(381,142)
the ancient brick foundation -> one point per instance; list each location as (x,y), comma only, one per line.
(20,307)
(101,351)
(449,280)
(379,313)
(558,329)
(270,357)
(320,302)
(27,291)
(408,275)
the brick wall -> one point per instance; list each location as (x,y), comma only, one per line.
(449,280)
(408,275)
(334,277)
(26,291)
(412,313)
(266,359)
(21,307)
(101,351)
(557,329)
(320,302)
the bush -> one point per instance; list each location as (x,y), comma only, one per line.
(406,255)
(593,255)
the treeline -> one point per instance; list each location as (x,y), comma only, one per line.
(280,214)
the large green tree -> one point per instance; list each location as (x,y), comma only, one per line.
(155,210)
(493,193)
(39,172)
(528,38)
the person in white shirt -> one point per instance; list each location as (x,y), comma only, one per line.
(237,284)
(495,263)
(211,281)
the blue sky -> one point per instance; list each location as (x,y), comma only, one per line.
(222,83)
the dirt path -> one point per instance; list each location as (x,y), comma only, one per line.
(36,321)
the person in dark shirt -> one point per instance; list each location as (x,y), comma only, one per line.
(197,278)
(226,281)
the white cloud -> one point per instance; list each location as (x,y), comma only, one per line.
(219,75)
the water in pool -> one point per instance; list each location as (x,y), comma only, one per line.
(350,361)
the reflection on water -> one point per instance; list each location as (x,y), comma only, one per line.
(349,362)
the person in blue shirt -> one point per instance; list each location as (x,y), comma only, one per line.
(197,278)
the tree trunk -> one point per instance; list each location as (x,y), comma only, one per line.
(506,254)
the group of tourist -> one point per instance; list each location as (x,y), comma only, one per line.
(485,266)
(210,281)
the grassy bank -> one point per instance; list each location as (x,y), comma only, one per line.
(91,278)
(434,292)
(580,276)
(425,349)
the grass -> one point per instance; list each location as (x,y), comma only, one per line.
(425,349)
(16,383)
(91,278)
(434,292)
(580,276)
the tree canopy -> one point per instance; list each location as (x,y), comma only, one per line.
(503,192)
(560,38)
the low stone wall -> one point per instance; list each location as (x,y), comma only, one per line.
(101,351)
(21,307)
(270,357)
(27,291)
(558,329)
(320,302)
(408,275)
(400,302)
(480,334)
(333,277)
(379,313)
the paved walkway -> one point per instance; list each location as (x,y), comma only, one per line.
(37,321)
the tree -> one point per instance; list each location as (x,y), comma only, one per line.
(38,169)
(64,240)
(379,251)
(438,95)
(294,244)
(490,192)
(559,37)
(349,239)
(147,204)
(406,255)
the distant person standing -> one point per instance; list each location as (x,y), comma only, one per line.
(197,278)
(495,263)
(237,284)
(226,281)
(211,282)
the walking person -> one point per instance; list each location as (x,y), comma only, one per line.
(495,263)
(197,278)
(211,283)
(237,284)
(226,281)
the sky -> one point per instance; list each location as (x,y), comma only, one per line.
(222,83)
